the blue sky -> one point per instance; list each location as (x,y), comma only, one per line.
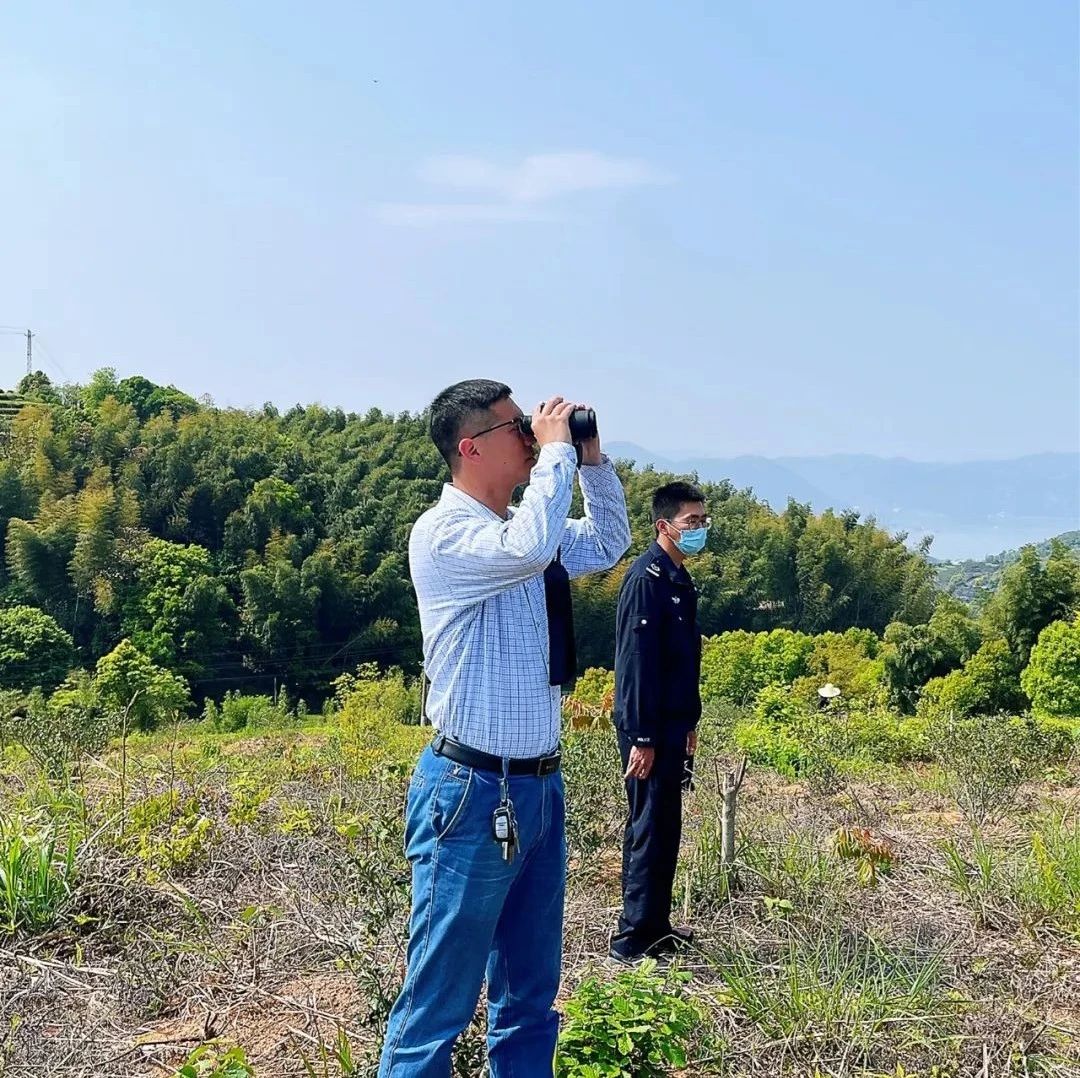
(770,228)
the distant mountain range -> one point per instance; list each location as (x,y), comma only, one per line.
(971,508)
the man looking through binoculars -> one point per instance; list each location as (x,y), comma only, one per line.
(485,831)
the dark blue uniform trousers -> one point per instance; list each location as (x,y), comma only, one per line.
(650,846)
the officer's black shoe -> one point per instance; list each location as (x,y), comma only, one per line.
(676,940)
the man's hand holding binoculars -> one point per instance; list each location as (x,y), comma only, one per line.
(557,420)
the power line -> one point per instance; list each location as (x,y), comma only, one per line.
(29,335)
(51,358)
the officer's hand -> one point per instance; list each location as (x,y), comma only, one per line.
(590,448)
(551,421)
(640,763)
(691,743)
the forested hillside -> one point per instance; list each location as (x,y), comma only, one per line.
(973,580)
(243,548)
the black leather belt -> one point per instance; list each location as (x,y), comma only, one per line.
(486,761)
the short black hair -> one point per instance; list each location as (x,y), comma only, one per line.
(455,405)
(668,499)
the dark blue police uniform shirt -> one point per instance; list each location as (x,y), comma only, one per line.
(657,651)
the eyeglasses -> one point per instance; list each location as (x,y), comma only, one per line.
(515,422)
(692,522)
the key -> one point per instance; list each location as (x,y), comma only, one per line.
(504,831)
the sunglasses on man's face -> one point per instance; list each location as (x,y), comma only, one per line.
(515,422)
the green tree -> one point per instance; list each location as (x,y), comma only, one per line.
(41,448)
(1032,595)
(39,555)
(173,607)
(277,615)
(149,400)
(36,386)
(273,507)
(846,660)
(106,515)
(1052,677)
(34,651)
(305,519)
(15,502)
(916,654)
(128,678)
(986,684)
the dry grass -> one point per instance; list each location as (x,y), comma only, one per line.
(282,928)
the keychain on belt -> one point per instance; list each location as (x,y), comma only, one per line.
(503,820)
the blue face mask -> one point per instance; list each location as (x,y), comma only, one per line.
(692,541)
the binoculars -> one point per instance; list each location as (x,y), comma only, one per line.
(582,424)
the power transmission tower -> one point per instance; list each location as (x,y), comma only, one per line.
(29,352)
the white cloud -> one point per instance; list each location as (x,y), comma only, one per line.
(435,213)
(541,177)
(517,192)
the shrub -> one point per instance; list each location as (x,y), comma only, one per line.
(775,704)
(987,759)
(59,730)
(595,802)
(637,1025)
(168,835)
(848,661)
(591,702)
(596,687)
(873,856)
(1052,676)
(770,743)
(884,736)
(986,683)
(738,665)
(727,667)
(34,651)
(127,679)
(246,712)
(373,716)
(826,741)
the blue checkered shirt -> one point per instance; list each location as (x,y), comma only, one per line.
(479,581)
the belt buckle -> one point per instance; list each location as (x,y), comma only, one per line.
(549,764)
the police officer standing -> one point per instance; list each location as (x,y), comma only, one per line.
(657,708)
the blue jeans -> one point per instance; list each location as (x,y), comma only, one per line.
(474,917)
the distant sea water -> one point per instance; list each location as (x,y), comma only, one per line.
(973,542)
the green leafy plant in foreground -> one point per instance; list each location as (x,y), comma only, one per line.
(36,874)
(209,1061)
(634,1026)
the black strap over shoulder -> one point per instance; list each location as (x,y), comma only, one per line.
(562,648)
